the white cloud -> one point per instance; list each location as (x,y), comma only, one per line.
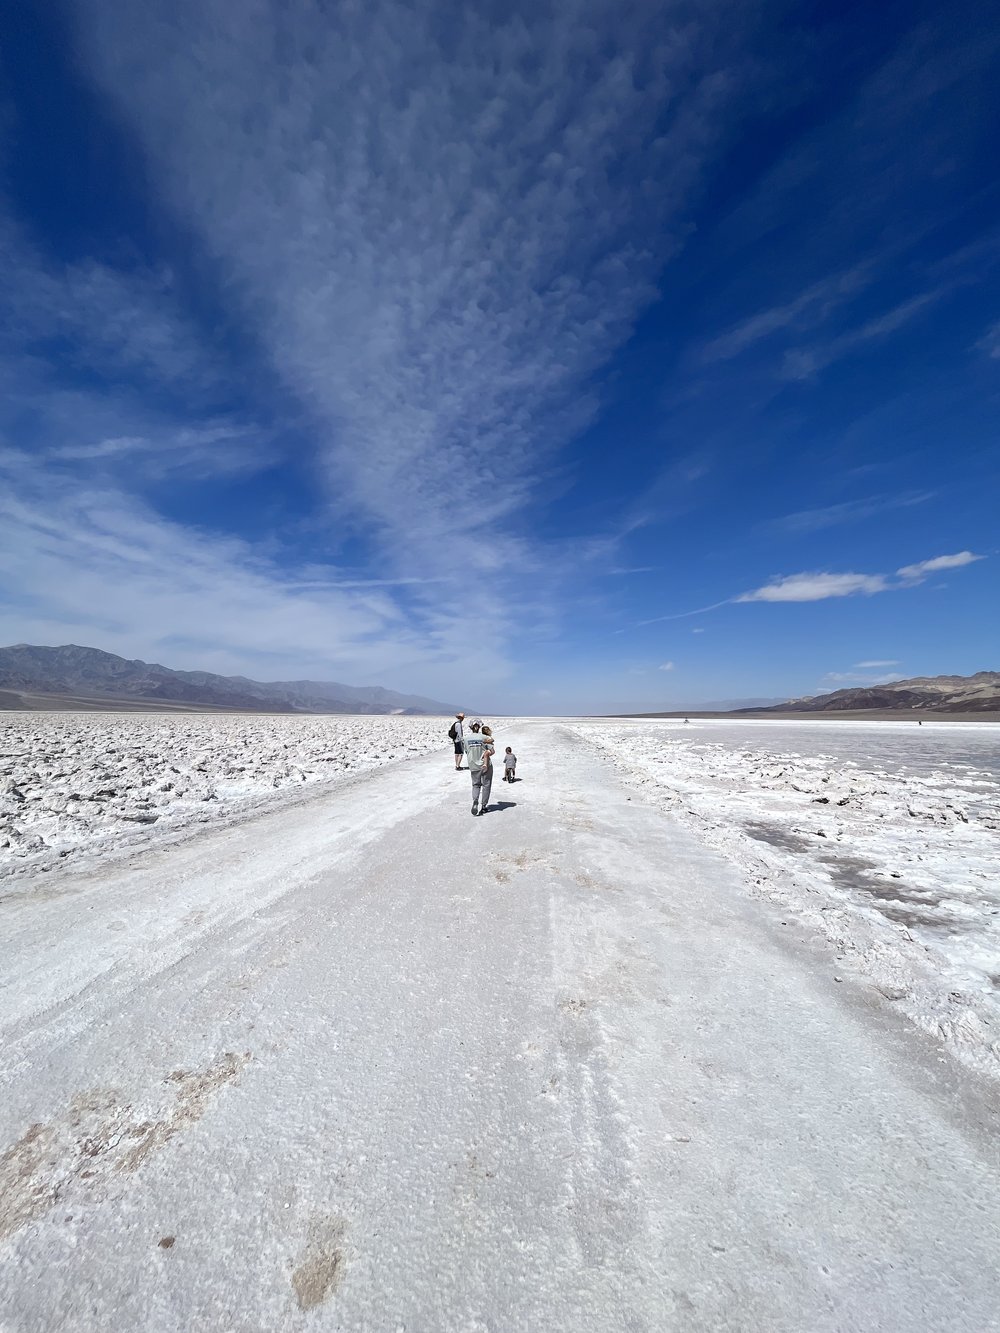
(919,571)
(666,666)
(699,630)
(435,238)
(815,587)
(879,662)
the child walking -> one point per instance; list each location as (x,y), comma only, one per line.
(509,764)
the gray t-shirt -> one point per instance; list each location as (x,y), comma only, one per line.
(478,747)
(458,730)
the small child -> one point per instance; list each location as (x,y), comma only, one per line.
(509,764)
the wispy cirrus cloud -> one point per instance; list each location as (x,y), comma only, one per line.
(111,321)
(435,232)
(879,662)
(803,363)
(848,511)
(805,310)
(903,147)
(990,341)
(431,225)
(680,615)
(99,364)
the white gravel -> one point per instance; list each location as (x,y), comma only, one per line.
(883,837)
(103,783)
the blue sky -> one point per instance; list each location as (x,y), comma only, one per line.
(554,357)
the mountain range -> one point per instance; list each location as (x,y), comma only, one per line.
(939,694)
(71,676)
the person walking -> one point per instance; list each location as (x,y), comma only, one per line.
(479,749)
(509,764)
(455,732)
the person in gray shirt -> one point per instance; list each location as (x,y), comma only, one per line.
(479,749)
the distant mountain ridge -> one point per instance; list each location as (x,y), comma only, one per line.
(942,694)
(89,673)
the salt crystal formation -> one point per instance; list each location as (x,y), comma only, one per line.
(71,782)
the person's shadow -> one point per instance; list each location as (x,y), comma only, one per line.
(502,805)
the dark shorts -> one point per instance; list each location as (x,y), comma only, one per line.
(458,748)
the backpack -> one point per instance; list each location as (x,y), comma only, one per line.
(453,732)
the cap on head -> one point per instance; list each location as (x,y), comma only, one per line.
(460,715)
(476,722)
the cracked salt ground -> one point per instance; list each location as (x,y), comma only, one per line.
(360,1062)
(887,841)
(73,785)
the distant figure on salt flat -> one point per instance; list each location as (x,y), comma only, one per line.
(479,747)
(455,734)
(509,764)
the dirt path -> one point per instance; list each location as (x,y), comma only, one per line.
(370,1063)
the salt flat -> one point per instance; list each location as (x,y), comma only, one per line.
(884,836)
(363,1062)
(92,784)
